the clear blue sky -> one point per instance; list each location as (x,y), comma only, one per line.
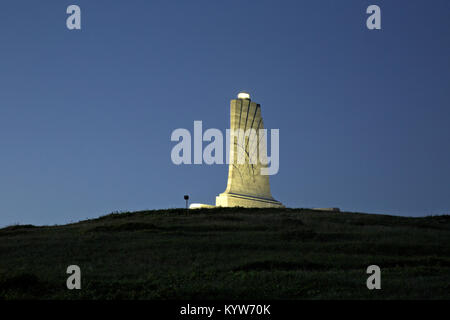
(86,116)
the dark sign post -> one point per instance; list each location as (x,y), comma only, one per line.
(186,197)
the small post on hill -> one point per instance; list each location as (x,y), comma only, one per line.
(186,197)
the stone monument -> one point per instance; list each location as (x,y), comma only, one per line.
(246,186)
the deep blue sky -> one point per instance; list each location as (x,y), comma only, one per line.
(86,116)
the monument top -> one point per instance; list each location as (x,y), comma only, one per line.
(244,95)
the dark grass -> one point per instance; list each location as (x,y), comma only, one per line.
(229,253)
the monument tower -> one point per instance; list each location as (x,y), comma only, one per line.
(246,186)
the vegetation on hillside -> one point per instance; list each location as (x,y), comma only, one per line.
(229,253)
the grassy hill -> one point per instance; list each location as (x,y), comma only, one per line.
(231,253)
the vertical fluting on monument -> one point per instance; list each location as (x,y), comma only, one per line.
(246,186)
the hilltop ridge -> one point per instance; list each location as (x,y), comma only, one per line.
(229,253)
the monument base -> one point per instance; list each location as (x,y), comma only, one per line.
(246,201)
(201,206)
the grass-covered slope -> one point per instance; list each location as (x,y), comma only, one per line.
(230,253)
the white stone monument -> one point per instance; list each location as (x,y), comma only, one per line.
(246,186)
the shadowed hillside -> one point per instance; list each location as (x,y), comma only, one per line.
(231,253)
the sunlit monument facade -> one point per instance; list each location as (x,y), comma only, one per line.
(246,186)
